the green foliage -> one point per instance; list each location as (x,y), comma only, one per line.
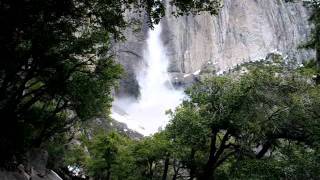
(103,152)
(56,68)
(290,161)
(314,40)
(229,117)
(187,127)
(94,157)
(315,19)
(196,6)
(148,155)
(261,123)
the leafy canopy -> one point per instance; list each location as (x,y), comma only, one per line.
(56,67)
(260,121)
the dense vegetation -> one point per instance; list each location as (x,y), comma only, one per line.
(56,71)
(314,41)
(56,68)
(259,122)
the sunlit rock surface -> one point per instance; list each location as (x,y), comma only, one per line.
(243,31)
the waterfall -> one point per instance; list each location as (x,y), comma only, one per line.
(147,114)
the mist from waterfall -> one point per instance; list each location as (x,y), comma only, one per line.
(147,114)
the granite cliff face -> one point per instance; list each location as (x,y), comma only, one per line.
(244,30)
(34,168)
(130,53)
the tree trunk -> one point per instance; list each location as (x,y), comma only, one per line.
(175,170)
(208,173)
(166,167)
(175,175)
(318,65)
(264,150)
(150,170)
(108,175)
(208,169)
(192,165)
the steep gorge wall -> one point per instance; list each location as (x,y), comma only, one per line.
(244,30)
(129,53)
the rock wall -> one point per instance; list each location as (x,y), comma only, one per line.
(244,30)
(129,53)
(34,168)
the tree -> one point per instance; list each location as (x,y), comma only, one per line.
(315,19)
(151,156)
(289,161)
(50,76)
(247,116)
(103,154)
(189,135)
(314,42)
(260,121)
(114,156)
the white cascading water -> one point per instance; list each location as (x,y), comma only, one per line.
(147,114)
